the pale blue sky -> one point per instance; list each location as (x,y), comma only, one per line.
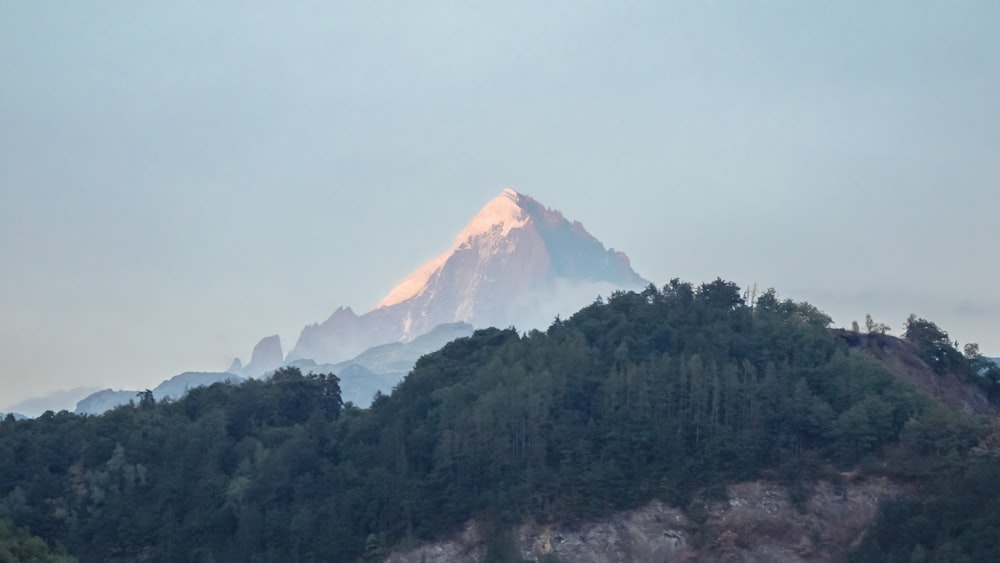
(179,179)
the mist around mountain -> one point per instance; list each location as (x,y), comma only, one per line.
(680,395)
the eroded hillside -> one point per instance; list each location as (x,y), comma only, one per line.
(757,523)
(904,360)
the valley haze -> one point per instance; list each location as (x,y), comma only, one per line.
(178,181)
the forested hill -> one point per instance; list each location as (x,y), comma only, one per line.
(668,394)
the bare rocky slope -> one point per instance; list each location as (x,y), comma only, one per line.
(903,359)
(759,523)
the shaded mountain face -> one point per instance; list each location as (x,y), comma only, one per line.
(266,356)
(515,263)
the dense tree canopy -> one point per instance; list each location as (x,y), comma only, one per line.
(934,344)
(665,393)
(17,546)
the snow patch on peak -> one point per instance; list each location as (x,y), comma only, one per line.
(504,211)
(414,283)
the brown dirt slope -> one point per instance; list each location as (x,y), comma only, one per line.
(903,359)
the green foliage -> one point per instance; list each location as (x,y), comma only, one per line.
(956,522)
(933,343)
(146,399)
(872,327)
(955,519)
(937,349)
(983,371)
(500,547)
(17,546)
(657,394)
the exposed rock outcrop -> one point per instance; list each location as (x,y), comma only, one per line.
(759,523)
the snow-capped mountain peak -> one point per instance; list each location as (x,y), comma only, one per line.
(516,262)
(503,211)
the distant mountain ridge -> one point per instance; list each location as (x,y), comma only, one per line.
(380,368)
(55,401)
(174,388)
(517,262)
(376,369)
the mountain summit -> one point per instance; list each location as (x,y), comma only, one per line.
(512,248)
(516,262)
(490,225)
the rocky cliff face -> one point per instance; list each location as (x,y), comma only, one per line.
(516,263)
(265,358)
(757,524)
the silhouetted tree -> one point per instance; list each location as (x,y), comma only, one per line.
(146,399)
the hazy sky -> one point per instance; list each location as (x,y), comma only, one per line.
(179,179)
